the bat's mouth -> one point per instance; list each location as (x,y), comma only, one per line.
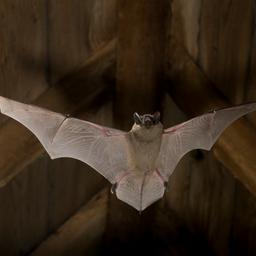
(148,122)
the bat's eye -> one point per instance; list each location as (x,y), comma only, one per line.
(137,118)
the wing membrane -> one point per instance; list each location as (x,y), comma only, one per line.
(102,148)
(198,133)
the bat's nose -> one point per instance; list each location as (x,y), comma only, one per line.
(148,122)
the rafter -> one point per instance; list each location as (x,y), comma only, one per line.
(81,234)
(195,94)
(140,44)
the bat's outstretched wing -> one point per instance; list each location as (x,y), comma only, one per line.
(102,148)
(198,133)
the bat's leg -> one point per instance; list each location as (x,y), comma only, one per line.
(113,188)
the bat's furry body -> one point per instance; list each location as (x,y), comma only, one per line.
(144,146)
(143,149)
(139,162)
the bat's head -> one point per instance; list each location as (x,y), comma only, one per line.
(147,120)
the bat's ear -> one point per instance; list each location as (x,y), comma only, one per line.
(137,118)
(157,116)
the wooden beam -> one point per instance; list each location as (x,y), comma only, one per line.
(80,89)
(195,94)
(140,51)
(140,44)
(81,234)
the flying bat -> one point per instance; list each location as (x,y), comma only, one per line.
(139,162)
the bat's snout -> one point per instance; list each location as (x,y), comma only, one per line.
(148,122)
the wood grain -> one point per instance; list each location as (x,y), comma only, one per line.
(22,35)
(19,147)
(219,41)
(46,193)
(250,86)
(81,234)
(205,210)
(76,29)
(242,239)
(185,24)
(67,184)
(215,49)
(194,93)
(201,193)
(140,50)
(24,210)
(225,44)
(41,42)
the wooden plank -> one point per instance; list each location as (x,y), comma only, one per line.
(242,238)
(211,201)
(185,20)
(102,22)
(222,33)
(47,192)
(140,44)
(211,32)
(75,30)
(22,35)
(194,94)
(250,88)
(81,234)
(24,211)
(77,90)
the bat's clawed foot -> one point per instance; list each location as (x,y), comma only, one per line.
(113,188)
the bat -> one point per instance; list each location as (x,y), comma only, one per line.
(138,163)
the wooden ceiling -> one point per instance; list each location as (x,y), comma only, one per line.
(134,68)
